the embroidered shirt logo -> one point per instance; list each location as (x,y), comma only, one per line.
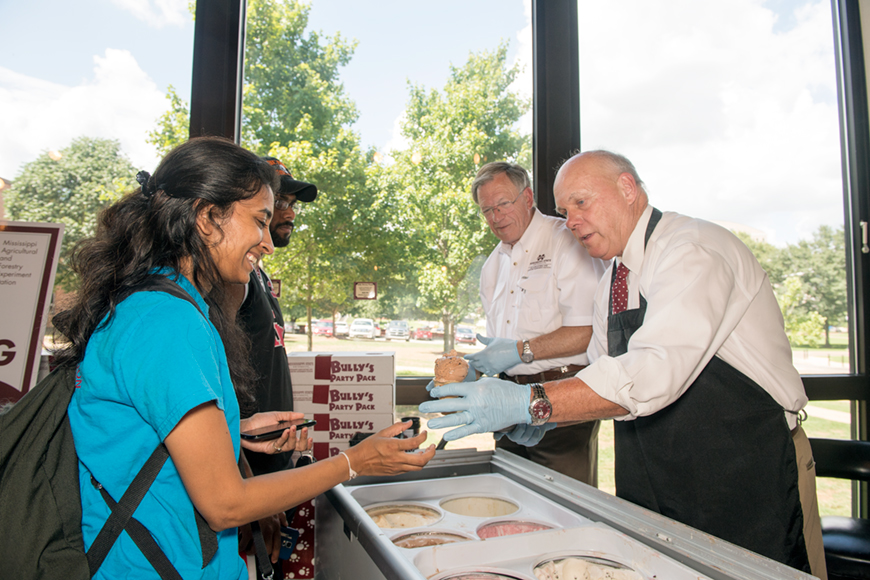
(542,262)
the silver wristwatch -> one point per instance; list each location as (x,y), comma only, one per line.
(540,408)
(527,356)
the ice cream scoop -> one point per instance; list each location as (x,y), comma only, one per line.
(450,368)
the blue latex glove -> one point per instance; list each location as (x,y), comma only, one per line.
(499,355)
(483,406)
(529,435)
(469,378)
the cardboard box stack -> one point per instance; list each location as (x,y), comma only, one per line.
(345,392)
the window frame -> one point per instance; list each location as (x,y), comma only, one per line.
(216,110)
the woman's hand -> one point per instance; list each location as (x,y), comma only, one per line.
(303,441)
(279,445)
(271,528)
(383,454)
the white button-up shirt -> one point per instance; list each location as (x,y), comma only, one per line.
(545,281)
(706,296)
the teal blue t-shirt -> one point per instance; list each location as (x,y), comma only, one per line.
(157,359)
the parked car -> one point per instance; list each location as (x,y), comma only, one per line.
(422,333)
(362,328)
(398,330)
(465,334)
(341,329)
(438,332)
(322,328)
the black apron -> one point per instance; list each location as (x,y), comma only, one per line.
(719,459)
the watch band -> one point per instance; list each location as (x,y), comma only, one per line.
(540,407)
(527,356)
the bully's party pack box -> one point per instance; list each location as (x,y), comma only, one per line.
(342,368)
(345,392)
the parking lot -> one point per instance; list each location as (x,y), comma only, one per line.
(414,357)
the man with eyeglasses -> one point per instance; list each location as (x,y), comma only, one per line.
(690,358)
(537,289)
(260,317)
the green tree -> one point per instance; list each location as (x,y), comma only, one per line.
(802,325)
(173,126)
(295,108)
(769,256)
(71,188)
(342,237)
(292,91)
(451,133)
(820,265)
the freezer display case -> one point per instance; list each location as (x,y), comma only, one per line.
(491,515)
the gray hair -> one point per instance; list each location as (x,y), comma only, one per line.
(619,163)
(516,173)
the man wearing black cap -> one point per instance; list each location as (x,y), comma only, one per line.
(260,317)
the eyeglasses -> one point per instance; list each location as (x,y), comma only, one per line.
(282,204)
(499,208)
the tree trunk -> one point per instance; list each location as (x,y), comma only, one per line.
(308,309)
(449,335)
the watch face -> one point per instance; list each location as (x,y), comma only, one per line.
(527,358)
(541,409)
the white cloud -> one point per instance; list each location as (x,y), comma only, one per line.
(157,13)
(524,84)
(397,141)
(724,118)
(121,102)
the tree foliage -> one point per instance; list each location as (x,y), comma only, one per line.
(173,126)
(820,265)
(810,282)
(451,133)
(71,189)
(802,326)
(292,90)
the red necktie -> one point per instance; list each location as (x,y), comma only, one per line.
(619,290)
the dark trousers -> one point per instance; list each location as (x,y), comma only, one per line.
(571,450)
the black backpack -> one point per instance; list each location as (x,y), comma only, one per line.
(40,503)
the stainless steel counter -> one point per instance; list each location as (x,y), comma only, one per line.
(348,544)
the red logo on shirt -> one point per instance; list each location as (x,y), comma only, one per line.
(279,335)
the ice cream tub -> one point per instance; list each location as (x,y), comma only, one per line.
(521,555)
(427,538)
(482,574)
(479,506)
(496,493)
(579,565)
(499,528)
(407,514)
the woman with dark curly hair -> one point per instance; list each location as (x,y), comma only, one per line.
(153,368)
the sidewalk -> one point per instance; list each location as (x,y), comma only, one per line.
(828,414)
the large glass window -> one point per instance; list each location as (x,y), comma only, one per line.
(84,89)
(729,112)
(89,70)
(390,112)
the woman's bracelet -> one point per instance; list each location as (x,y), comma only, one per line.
(349,468)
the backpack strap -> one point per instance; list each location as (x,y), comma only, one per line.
(263,562)
(121,516)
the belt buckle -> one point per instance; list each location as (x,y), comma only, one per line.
(564,370)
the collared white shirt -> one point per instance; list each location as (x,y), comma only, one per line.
(706,296)
(545,281)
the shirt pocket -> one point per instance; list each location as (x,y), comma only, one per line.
(539,305)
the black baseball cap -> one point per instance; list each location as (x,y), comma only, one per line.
(303,191)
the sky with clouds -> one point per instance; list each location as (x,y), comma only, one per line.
(728,109)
